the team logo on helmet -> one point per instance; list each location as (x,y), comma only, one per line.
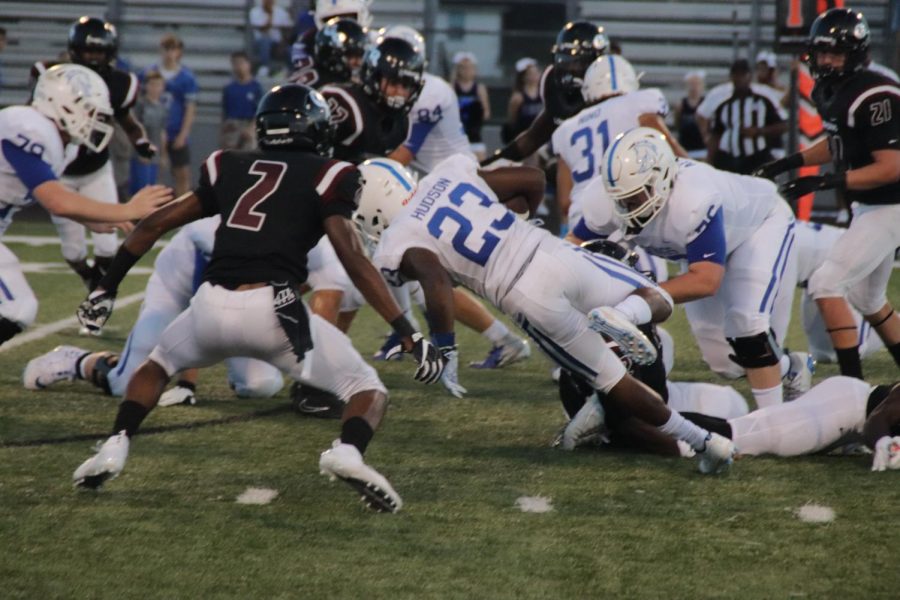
(861,30)
(80,81)
(645,156)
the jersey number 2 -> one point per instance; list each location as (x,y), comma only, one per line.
(244,214)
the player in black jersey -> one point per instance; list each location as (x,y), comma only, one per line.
(577,45)
(275,204)
(860,112)
(93,43)
(337,54)
(371,116)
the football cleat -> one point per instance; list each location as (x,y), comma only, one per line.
(612,323)
(106,464)
(798,379)
(178,395)
(717,456)
(887,454)
(313,402)
(586,427)
(57,365)
(390,342)
(513,349)
(344,462)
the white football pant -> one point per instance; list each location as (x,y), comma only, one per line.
(100,186)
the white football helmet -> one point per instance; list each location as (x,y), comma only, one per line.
(608,75)
(77,100)
(326,9)
(638,171)
(406,33)
(387,187)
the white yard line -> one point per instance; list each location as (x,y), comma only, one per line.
(58,268)
(43,331)
(52,240)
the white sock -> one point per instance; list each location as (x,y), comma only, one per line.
(768,397)
(497,332)
(682,429)
(635,309)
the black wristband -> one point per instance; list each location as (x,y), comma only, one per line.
(794,161)
(402,327)
(119,267)
(837,181)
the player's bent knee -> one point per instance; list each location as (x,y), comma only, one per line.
(826,282)
(256,386)
(757,351)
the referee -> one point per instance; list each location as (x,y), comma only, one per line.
(860,112)
(745,127)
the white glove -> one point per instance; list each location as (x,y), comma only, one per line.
(887,454)
(450,376)
(96,309)
(178,395)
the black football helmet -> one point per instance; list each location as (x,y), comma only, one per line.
(613,250)
(294,117)
(578,44)
(840,31)
(94,35)
(395,60)
(337,42)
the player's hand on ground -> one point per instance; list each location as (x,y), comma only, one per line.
(148,199)
(178,395)
(887,454)
(95,311)
(429,361)
(450,376)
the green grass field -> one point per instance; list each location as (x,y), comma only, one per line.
(622,525)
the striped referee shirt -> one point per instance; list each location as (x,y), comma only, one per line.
(737,112)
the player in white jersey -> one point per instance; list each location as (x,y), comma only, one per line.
(177,273)
(70,104)
(736,235)
(814,242)
(615,104)
(455,230)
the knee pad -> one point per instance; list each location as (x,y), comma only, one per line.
(8,329)
(256,387)
(100,376)
(757,351)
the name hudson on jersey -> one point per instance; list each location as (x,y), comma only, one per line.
(425,204)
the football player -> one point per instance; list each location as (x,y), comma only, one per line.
(736,235)
(615,104)
(859,110)
(456,230)
(248,303)
(70,104)
(303,52)
(177,273)
(338,49)
(94,43)
(578,44)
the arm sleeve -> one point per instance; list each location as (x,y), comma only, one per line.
(338,186)
(417,135)
(878,121)
(584,233)
(708,244)
(30,168)
(190,88)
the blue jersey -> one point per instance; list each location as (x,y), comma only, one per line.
(239,100)
(181,89)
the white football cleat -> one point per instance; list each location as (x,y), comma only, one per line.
(798,379)
(609,321)
(178,395)
(344,462)
(717,456)
(887,454)
(513,349)
(106,464)
(56,365)
(587,426)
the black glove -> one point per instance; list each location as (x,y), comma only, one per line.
(802,186)
(95,311)
(429,359)
(145,149)
(770,170)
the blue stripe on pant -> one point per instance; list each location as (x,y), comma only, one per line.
(783,254)
(558,353)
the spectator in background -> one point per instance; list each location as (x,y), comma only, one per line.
(525,102)
(180,99)
(689,135)
(767,70)
(474,107)
(152,113)
(745,126)
(239,101)
(271,26)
